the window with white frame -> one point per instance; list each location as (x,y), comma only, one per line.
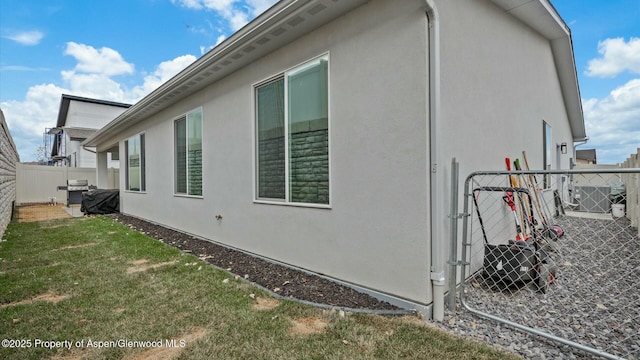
(188,154)
(135,163)
(292,135)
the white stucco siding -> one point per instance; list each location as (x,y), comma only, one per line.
(89,115)
(499,82)
(376,232)
(78,155)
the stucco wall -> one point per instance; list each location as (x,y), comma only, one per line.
(90,115)
(80,157)
(376,232)
(8,159)
(499,84)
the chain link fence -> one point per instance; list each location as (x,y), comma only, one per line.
(553,254)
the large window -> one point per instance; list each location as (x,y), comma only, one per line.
(292,135)
(135,167)
(188,154)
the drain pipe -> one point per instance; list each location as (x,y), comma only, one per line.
(437,241)
(577,143)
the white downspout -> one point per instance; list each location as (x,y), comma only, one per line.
(437,241)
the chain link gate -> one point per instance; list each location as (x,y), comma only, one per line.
(553,253)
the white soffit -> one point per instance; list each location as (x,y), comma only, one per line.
(538,14)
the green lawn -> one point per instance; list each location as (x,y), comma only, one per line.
(109,292)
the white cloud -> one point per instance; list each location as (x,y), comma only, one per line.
(220,39)
(21,68)
(99,61)
(237,19)
(260,6)
(28,38)
(617,56)
(190,4)
(165,71)
(613,123)
(33,114)
(236,13)
(93,74)
(96,86)
(28,118)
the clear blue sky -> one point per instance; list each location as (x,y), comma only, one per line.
(120,50)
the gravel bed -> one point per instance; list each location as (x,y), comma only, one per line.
(594,301)
(282,280)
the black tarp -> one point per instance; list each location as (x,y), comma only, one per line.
(100,201)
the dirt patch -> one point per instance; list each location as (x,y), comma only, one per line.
(119,311)
(307,326)
(50,297)
(144,267)
(75,246)
(74,354)
(265,303)
(417,321)
(170,352)
(33,213)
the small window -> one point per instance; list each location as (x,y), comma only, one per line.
(292,135)
(135,167)
(188,154)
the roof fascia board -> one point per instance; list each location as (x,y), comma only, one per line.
(95,101)
(565,63)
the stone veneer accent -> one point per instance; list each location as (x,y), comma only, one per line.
(308,168)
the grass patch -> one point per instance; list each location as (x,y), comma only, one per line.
(91,279)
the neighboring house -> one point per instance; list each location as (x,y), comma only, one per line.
(321,134)
(587,156)
(78,119)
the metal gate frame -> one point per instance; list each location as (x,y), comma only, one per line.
(466,243)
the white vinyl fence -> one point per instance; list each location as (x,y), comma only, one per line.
(39,184)
(632,184)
